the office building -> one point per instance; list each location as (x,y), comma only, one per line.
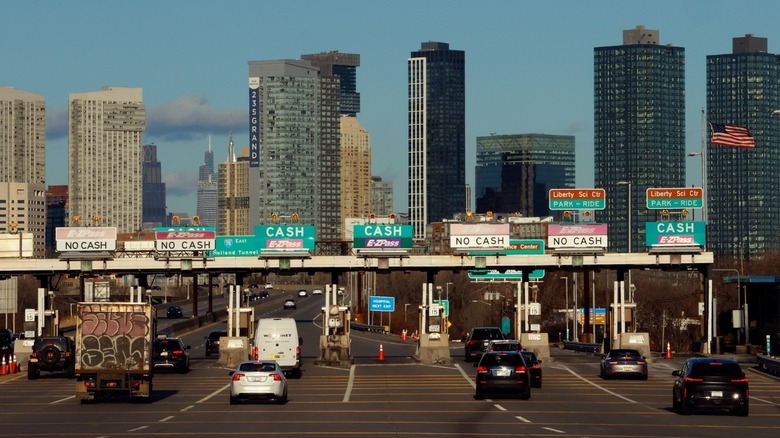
(22,137)
(381,196)
(153,189)
(639,133)
(343,66)
(355,170)
(742,184)
(294,146)
(437,131)
(23,210)
(56,214)
(207,190)
(514,173)
(105,154)
(233,194)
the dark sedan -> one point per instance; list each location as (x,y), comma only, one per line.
(624,363)
(535,366)
(175,312)
(505,372)
(212,341)
(709,383)
(171,354)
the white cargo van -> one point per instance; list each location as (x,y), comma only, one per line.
(277,339)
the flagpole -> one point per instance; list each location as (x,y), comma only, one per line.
(703,170)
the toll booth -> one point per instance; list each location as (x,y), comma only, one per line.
(433,345)
(334,341)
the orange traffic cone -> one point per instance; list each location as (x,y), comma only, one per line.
(381,353)
(14,365)
(668,350)
(4,367)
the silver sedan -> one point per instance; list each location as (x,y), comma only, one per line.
(258,380)
(624,363)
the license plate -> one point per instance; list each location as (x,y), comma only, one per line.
(164,354)
(718,394)
(256,379)
(502,373)
(628,368)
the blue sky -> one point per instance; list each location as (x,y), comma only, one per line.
(529,65)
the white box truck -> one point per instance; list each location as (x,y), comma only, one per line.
(277,339)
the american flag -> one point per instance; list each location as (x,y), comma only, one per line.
(731,135)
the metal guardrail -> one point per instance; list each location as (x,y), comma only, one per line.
(368,328)
(769,364)
(582,347)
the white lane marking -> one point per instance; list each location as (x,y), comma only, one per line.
(466,376)
(348,392)
(764,401)
(524,420)
(62,399)
(213,394)
(137,429)
(553,430)
(499,407)
(167,418)
(598,386)
(187,408)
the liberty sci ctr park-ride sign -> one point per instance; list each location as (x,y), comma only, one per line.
(577,199)
(675,198)
(381,236)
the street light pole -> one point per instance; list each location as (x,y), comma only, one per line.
(567,305)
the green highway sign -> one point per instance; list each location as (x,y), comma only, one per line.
(383,236)
(577,199)
(675,198)
(286,237)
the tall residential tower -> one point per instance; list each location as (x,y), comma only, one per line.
(743,184)
(437,135)
(105,154)
(639,112)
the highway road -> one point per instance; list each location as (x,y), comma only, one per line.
(392,398)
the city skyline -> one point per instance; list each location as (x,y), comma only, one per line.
(516,79)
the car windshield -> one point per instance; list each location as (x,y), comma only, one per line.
(494,360)
(167,345)
(260,366)
(480,335)
(505,346)
(716,369)
(625,353)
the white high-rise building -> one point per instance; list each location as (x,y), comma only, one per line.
(105,152)
(22,136)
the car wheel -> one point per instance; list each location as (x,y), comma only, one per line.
(675,403)
(526,394)
(741,412)
(208,354)
(538,384)
(283,399)
(233,400)
(70,372)
(479,395)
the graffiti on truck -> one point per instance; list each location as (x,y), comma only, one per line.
(113,337)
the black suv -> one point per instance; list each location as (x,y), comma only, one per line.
(478,340)
(175,312)
(710,383)
(52,353)
(171,354)
(212,341)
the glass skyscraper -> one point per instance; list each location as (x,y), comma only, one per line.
(294,156)
(639,114)
(514,173)
(153,188)
(743,184)
(437,130)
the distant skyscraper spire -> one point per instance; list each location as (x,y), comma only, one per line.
(231,152)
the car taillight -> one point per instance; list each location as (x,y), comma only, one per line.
(276,377)
(742,380)
(640,362)
(237,376)
(693,379)
(536,366)
(297,353)
(474,342)
(520,369)
(482,369)
(177,352)
(612,362)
